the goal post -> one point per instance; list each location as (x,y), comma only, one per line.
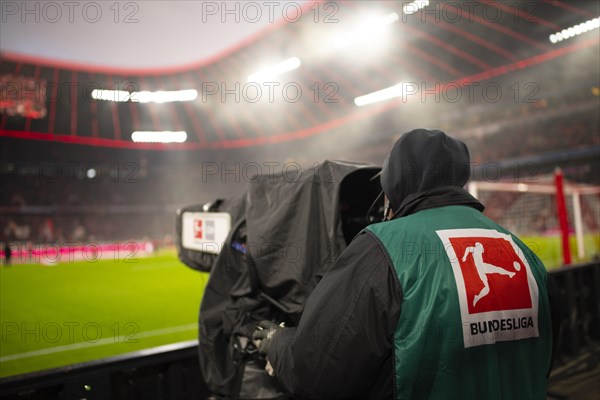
(557,225)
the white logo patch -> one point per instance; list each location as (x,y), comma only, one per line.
(497,293)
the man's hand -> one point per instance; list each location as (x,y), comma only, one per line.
(264,333)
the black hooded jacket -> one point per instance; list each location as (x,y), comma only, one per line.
(343,345)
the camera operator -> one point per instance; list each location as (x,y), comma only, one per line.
(437,301)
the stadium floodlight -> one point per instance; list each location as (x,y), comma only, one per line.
(412,8)
(380,95)
(111,95)
(575,30)
(164,96)
(91,173)
(159,136)
(145,96)
(277,69)
(367,30)
(522,187)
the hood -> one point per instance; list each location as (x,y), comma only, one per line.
(422,160)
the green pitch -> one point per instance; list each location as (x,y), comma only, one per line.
(72,312)
(549,249)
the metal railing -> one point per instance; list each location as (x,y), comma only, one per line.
(579,339)
(165,372)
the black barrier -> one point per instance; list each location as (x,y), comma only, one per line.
(579,339)
(172,372)
(165,372)
(580,311)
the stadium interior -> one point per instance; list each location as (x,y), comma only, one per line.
(97,155)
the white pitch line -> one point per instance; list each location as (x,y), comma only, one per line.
(100,342)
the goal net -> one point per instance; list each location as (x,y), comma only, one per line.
(532,212)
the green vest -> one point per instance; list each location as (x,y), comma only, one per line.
(475,320)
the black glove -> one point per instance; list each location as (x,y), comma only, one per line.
(264,334)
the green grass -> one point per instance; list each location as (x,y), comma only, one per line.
(549,249)
(73,312)
(82,311)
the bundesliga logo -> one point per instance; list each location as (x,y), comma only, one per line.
(497,292)
(204,229)
(198,229)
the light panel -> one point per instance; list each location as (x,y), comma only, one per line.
(159,136)
(367,30)
(380,95)
(575,30)
(272,72)
(145,96)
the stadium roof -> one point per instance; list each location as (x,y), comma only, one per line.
(135,36)
(338,59)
